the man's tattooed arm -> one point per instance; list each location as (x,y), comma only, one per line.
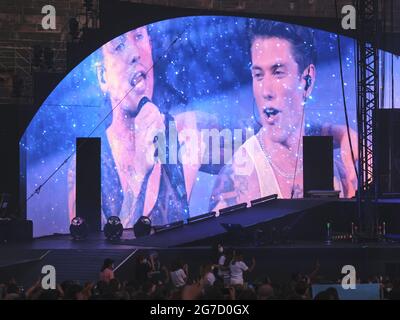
(224,188)
(229,189)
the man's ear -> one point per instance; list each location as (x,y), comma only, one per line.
(101,77)
(308,80)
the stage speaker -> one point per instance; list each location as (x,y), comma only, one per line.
(10,158)
(317,163)
(88,181)
(387,150)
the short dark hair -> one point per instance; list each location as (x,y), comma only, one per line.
(107,263)
(301,38)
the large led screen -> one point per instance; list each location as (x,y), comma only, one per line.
(194,114)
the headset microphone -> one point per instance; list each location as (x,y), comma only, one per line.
(308,82)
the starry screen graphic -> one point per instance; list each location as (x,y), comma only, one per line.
(230,99)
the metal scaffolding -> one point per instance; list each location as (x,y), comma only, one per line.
(368,30)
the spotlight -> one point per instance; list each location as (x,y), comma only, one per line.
(142,227)
(202,217)
(113,228)
(263,200)
(234,208)
(78,228)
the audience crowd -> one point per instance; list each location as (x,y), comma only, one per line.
(225,278)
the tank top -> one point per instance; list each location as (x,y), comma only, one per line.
(171,204)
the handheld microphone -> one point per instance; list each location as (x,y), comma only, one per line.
(174,172)
(140,105)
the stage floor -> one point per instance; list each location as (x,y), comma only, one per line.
(81,260)
(97,241)
(193,234)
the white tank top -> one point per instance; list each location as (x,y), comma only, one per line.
(267,182)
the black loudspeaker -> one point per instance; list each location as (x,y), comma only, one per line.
(88,181)
(9,159)
(317,163)
(387,150)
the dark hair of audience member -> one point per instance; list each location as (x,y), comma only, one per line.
(107,264)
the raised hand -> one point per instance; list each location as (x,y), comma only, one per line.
(148,124)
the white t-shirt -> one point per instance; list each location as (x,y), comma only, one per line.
(221,262)
(209,279)
(178,278)
(237,269)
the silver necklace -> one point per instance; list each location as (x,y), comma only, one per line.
(269,159)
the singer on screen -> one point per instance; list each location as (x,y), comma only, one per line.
(134,181)
(283,72)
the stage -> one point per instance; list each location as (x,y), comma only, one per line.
(303,220)
(81,261)
(194,243)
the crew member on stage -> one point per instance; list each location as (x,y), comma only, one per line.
(271,162)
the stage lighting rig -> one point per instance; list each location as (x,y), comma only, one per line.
(113,228)
(202,217)
(263,200)
(142,227)
(79,229)
(234,208)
